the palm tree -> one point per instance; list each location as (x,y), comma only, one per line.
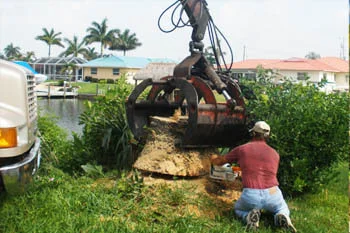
(69,69)
(125,42)
(12,51)
(99,33)
(90,54)
(74,48)
(50,38)
(28,57)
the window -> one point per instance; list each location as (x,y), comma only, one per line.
(93,70)
(116,71)
(250,75)
(347,78)
(237,75)
(301,75)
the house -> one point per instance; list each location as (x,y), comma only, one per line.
(332,69)
(155,70)
(57,67)
(112,67)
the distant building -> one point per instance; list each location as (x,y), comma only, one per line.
(112,67)
(55,67)
(155,70)
(332,69)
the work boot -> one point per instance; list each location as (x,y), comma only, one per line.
(253,220)
(284,222)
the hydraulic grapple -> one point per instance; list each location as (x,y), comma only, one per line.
(194,89)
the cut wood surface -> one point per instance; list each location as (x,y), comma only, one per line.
(160,155)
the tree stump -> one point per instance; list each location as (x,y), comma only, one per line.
(161,156)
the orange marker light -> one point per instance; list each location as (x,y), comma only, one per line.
(8,137)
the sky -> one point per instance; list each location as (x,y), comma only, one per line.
(255,29)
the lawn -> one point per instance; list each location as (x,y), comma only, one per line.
(87,87)
(59,202)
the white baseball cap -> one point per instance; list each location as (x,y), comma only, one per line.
(261,127)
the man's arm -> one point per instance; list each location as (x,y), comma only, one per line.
(218,160)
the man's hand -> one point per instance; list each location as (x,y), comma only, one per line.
(213,157)
(218,160)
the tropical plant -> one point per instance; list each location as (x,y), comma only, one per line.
(125,42)
(12,51)
(28,57)
(309,130)
(74,47)
(99,33)
(312,55)
(90,54)
(50,38)
(69,69)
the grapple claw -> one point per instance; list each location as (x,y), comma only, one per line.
(209,123)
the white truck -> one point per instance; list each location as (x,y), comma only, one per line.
(19,144)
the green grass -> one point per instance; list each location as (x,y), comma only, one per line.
(88,87)
(61,203)
(92,88)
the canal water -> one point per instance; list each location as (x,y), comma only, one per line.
(67,111)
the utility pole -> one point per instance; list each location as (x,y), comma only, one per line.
(342,49)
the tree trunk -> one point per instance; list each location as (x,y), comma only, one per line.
(160,155)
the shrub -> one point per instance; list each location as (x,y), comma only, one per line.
(106,134)
(309,130)
(88,78)
(57,150)
(54,142)
(60,83)
(110,81)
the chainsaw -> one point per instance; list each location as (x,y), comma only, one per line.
(224,172)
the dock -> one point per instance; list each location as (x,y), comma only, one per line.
(48,91)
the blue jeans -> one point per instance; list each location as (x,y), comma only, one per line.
(270,199)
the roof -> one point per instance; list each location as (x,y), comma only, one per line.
(156,70)
(339,64)
(123,62)
(26,65)
(329,64)
(59,60)
(114,61)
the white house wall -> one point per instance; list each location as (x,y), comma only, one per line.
(342,80)
(315,76)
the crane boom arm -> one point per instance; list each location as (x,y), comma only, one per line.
(198,15)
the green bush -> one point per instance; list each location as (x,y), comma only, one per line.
(309,130)
(60,83)
(106,134)
(59,151)
(54,139)
(88,78)
(110,81)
